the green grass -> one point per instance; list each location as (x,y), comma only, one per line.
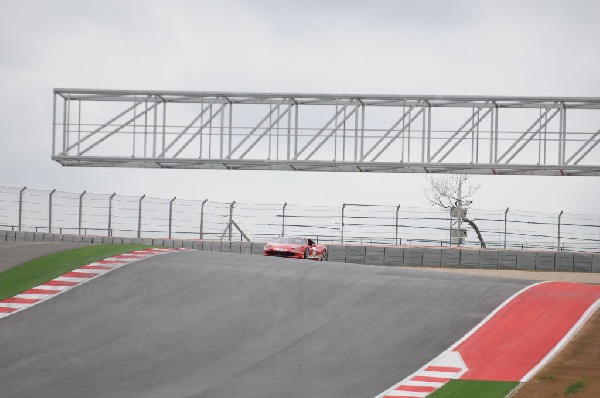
(474,389)
(575,388)
(42,269)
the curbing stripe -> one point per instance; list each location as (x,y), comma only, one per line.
(434,370)
(424,372)
(69,280)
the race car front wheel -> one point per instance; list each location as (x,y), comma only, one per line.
(306,253)
(324,256)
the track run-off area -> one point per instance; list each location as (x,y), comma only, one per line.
(207,324)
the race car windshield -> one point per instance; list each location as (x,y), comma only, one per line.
(293,241)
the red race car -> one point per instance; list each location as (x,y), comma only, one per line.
(296,247)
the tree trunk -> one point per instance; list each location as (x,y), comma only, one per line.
(474,226)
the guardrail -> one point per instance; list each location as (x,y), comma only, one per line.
(530,260)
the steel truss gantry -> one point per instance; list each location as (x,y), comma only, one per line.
(327,132)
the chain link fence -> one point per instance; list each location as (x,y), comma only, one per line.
(84,213)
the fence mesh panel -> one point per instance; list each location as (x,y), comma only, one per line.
(86,213)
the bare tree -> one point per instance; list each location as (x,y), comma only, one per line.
(451,191)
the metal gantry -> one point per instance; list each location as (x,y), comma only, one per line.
(327,132)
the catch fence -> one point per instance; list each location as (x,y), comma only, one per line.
(84,213)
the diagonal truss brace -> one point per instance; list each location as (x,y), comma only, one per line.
(129,109)
(264,133)
(280,116)
(389,131)
(583,146)
(543,115)
(336,128)
(457,132)
(400,132)
(189,126)
(466,133)
(258,125)
(206,123)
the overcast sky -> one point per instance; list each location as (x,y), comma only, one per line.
(530,48)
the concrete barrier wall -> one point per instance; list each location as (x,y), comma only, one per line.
(507,259)
(596,263)
(408,256)
(432,257)
(488,259)
(356,254)
(451,258)
(526,260)
(413,257)
(374,255)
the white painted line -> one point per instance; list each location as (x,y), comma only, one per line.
(406,394)
(443,375)
(70,279)
(14,305)
(34,296)
(48,287)
(92,271)
(423,383)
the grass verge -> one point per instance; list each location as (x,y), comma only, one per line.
(474,389)
(42,269)
(575,388)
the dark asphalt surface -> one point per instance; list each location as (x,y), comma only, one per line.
(15,253)
(202,324)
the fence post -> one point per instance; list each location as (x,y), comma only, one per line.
(139,231)
(283,220)
(505,224)
(50,211)
(231,218)
(171,214)
(110,213)
(202,219)
(397,210)
(559,217)
(21,205)
(80,210)
(342,237)
(450,231)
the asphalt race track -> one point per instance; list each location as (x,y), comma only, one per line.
(15,253)
(204,324)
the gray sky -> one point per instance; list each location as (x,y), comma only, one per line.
(533,48)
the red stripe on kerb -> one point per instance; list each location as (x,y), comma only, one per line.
(40,291)
(6,310)
(416,388)
(525,330)
(98,267)
(398,396)
(442,369)
(109,262)
(60,283)
(430,379)
(18,300)
(80,274)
